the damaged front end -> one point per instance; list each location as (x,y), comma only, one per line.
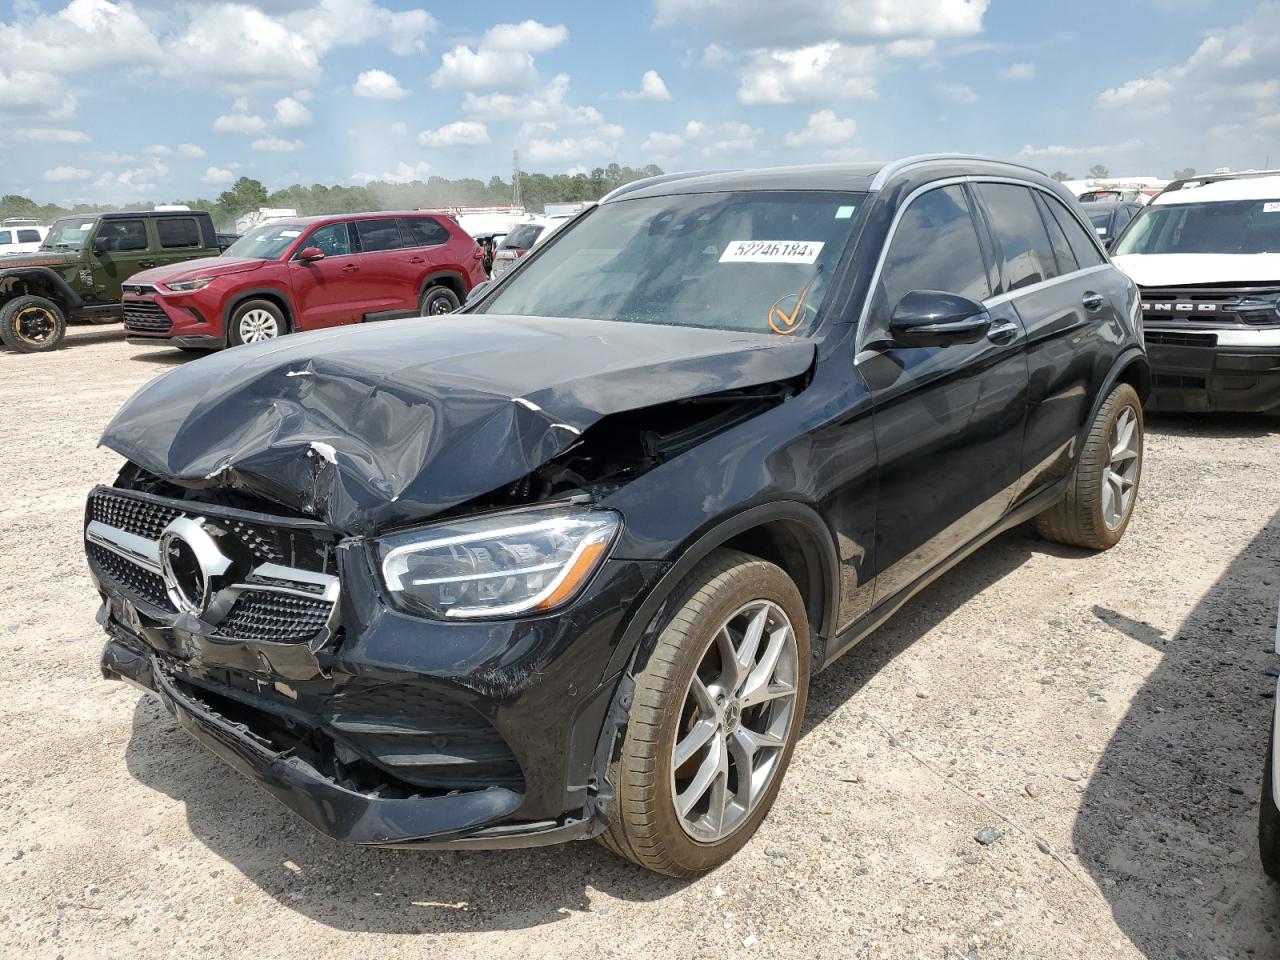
(385,592)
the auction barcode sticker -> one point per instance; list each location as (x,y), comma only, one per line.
(1272,206)
(771,251)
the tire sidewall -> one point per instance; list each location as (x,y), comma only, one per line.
(758,580)
(9,318)
(435,293)
(233,333)
(1122,397)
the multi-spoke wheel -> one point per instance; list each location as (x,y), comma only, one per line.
(715,716)
(32,324)
(437,301)
(256,322)
(1098,504)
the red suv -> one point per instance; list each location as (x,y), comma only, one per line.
(306,273)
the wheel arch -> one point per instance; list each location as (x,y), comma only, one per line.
(38,282)
(270,294)
(1129,367)
(448,278)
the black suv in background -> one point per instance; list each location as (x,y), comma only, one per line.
(561,565)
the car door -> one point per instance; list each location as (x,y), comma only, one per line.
(118,249)
(426,251)
(388,281)
(948,420)
(1061,307)
(178,239)
(326,292)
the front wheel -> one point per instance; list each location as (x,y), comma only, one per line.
(32,325)
(437,301)
(256,322)
(1096,509)
(714,720)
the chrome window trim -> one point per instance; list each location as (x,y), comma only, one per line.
(861,337)
(895,167)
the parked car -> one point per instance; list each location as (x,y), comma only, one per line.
(1109,218)
(561,565)
(1206,256)
(1269,807)
(78,272)
(519,241)
(20,235)
(305,273)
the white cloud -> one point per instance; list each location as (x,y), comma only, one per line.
(245,123)
(652,87)
(192,150)
(763,23)
(115,158)
(83,35)
(136,181)
(823,129)
(821,72)
(545,104)
(276,145)
(601,142)
(529,36)
(919,47)
(49,135)
(403,173)
(379,85)
(291,113)
(1101,150)
(35,92)
(1018,71)
(1137,92)
(158,150)
(218,175)
(461,133)
(714,55)
(957,93)
(701,139)
(64,173)
(304,95)
(485,69)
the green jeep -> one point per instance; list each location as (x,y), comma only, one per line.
(77,272)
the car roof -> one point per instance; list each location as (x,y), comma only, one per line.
(1235,188)
(344,217)
(836,177)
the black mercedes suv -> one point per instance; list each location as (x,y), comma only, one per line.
(561,565)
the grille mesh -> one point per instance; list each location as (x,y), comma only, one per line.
(146,316)
(274,617)
(131,578)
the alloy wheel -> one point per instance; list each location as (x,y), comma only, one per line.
(258,325)
(35,325)
(1121,473)
(735,721)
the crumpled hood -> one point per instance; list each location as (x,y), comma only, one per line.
(379,426)
(1196,269)
(38,258)
(203,267)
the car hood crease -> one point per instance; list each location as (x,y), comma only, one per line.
(378,427)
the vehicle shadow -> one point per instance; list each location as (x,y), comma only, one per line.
(1168,822)
(165,358)
(1214,425)
(83,336)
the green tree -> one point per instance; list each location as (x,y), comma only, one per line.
(245,194)
(1062,176)
(1099,171)
(1186,173)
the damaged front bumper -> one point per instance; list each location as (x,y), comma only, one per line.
(378,727)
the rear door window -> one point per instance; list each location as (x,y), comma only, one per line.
(1082,245)
(935,247)
(378,235)
(27,236)
(423,232)
(1057,239)
(1020,234)
(177,232)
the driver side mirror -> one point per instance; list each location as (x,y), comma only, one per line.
(99,244)
(311,254)
(932,318)
(478,290)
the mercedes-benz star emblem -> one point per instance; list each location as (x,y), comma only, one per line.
(193,568)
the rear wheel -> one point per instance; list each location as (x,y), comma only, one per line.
(1098,504)
(437,301)
(714,720)
(32,325)
(255,322)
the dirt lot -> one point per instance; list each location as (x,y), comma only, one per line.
(1107,714)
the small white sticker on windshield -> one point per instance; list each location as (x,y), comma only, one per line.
(290,233)
(771,251)
(1102,231)
(844,213)
(87,226)
(1271,206)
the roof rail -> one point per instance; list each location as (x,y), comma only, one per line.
(894,167)
(652,181)
(1200,181)
(19,221)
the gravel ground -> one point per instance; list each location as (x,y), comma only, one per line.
(1100,720)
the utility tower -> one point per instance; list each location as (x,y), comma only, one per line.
(515,178)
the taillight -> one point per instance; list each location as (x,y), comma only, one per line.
(477,254)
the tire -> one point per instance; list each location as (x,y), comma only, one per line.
(728,588)
(1269,817)
(437,300)
(256,321)
(1088,515)
(32,325)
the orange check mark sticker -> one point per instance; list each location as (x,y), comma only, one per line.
(782,322)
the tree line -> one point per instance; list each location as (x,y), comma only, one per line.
(1099,172)
(536,190)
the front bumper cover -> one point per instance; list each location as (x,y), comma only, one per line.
(1203,370)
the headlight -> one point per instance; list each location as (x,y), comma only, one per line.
(186,286)
(498,565)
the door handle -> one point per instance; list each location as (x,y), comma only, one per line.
(1092,301)
(146,263)
(417,260)
(1002,331)
(350,268)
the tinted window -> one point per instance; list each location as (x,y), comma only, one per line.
(28,236)
(935,248)
(423,232)
(1123,216)
(1020,234)
(522,236)
(334,240)
(1100,218)
(376,235)
(1222,226)
(118,235)
(1082,245)
(6,236)
(1057,239)
(177,232)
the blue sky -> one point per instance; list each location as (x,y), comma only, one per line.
(112,100)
